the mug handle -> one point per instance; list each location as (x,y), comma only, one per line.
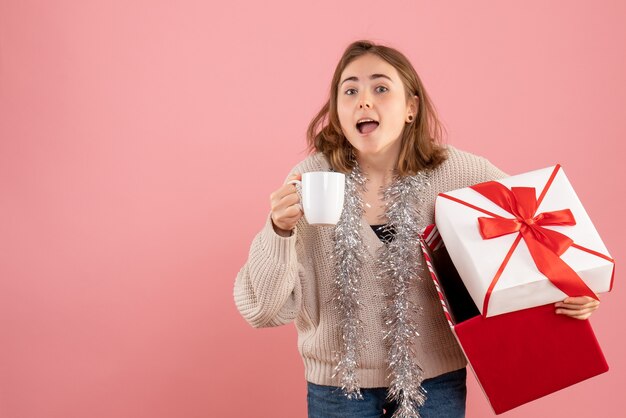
(298,185)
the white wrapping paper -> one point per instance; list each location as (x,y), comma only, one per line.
(520,285)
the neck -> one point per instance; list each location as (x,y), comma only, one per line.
(378,168)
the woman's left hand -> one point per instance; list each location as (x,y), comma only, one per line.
(577,307)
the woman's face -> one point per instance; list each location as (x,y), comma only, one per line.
(371,89)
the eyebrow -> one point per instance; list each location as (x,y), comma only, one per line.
(372,77)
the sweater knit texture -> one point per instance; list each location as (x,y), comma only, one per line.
(289,279)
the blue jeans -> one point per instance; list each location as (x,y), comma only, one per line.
(445,399)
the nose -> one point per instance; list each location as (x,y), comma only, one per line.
(365,102)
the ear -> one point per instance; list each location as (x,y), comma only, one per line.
(413,106)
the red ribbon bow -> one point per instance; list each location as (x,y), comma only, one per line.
(545,245)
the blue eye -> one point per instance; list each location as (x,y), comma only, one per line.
(381,87)
(348,92)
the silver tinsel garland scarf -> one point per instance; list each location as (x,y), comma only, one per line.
(399,263)
(348,256)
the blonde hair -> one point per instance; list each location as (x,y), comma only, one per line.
(421,139)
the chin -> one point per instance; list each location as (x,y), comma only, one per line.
(369,150)
(362,148)
(367,147)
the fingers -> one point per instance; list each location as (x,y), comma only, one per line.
(579,300)
(572,312)
(576,314)
(288,205)
(287,214)
(577,307)
(577,303)
(294,176)
(593,303)
(291,187)
(286,209)
(289,200)
(292,212)
(286,189)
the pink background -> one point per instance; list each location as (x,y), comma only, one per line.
(139,143)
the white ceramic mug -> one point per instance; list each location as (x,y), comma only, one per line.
(321,194)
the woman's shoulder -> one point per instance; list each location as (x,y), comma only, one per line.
(458,156)
(463,168)
(314,162)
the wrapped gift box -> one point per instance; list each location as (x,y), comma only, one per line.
(520,356)
(523,241)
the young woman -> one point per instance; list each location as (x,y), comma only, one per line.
(371,331)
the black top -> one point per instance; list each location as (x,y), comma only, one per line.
(458,298)
(461,305)
(385,236)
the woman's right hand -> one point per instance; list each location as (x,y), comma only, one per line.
(286,208)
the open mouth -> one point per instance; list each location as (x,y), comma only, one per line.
(366,126)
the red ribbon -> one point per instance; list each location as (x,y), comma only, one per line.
(545,245)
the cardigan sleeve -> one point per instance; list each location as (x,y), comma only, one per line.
(267,289)
(492,172)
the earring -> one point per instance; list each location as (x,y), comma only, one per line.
(410,118)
